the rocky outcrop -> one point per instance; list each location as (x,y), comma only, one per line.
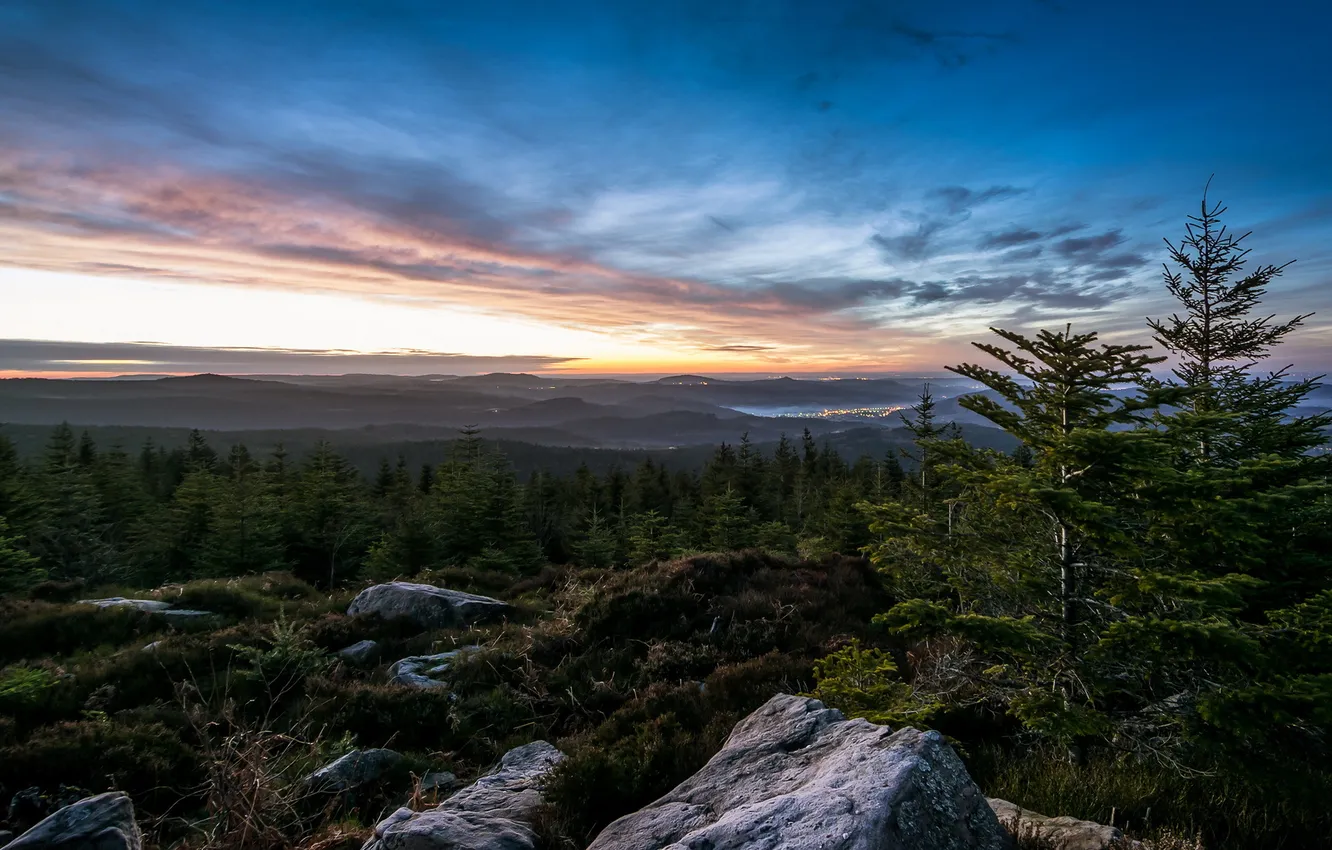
(356,769)
(1060,833)
(422,671)
(103,822)
(493,813)
(361,652)
(795,774)
(148,606)
(428,606)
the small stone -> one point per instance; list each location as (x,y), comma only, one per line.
(361,652)
(356,769)
(1058,833)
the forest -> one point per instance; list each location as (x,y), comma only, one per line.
(1127,617)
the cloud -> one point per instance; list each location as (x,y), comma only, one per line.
(1093,253)
(916,245)
(737,347)
(960,199)
(43,356)
(1022,254)
(1010,238)
(1087,248)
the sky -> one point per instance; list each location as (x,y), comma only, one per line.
(767,186)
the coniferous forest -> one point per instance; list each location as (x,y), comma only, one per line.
(1128,619)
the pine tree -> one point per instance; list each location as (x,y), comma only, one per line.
(728,523)
(67,531)
(331,520)
(926,434)
(19,570)
(1034,554)
(597,546)
(651,538)
(1249,465)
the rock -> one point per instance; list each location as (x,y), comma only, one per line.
(148,606)
(514,789)
(103,822)
(32,805)
(428,606)
(356,769)
(795,774)
(1060,833)
(438,780)
(493,813)
(447,830)
(416,671)
(361,652)
(152,606)
(184,613)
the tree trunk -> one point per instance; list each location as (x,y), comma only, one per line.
(1068,583)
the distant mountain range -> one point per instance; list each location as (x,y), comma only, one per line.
(588,412)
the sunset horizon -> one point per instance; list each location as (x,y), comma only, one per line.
(601,188)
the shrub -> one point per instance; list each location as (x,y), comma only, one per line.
(150,761)
(674,661)
(1227,808)
(251,597)
(379,715)
(22,688)
(614,771)
(738,689)
(32,630)
(863,682)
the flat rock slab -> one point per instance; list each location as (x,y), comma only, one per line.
(152,606)
(428,606)
(103,822)
(1059,833)
(148,606)
(795,775)
(493,813)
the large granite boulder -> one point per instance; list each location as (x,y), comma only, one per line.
(493,813)
(423,671)
(103,822)
(1060,833)
(356,769)
(795,775)
(428,606)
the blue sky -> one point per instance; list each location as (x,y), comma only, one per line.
(767,186)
